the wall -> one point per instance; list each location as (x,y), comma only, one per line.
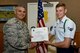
(73,11)
(50,14)
(1,38)
(72,5)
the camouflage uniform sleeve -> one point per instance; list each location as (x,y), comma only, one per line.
(15,36)
(28,36)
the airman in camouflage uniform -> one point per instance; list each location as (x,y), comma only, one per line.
(16,33)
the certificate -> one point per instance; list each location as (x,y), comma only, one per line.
(39,34)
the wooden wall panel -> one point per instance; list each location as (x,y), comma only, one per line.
(1,41)
(77,39)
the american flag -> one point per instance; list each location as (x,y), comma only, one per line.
(41,47)
(40,14)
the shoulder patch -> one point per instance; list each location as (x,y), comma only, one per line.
(54,26)
(71,29)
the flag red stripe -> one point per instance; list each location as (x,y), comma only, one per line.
(45,48)
(38,50)
(39,25)
(42,48)
(42,22)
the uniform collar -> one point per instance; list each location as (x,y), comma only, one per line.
(63,19)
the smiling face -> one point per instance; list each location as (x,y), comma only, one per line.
(60,10)
(20,12)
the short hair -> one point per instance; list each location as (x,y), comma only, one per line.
(61,5)
(18,6)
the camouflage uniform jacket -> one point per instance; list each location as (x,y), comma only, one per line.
(16,36)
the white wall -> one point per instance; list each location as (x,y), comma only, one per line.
(32,14)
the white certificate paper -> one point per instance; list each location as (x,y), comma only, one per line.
(39,34)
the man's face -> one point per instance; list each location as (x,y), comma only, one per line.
(60,12)
(20,13)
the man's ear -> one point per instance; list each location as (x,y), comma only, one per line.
(14,12)
(65,10)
